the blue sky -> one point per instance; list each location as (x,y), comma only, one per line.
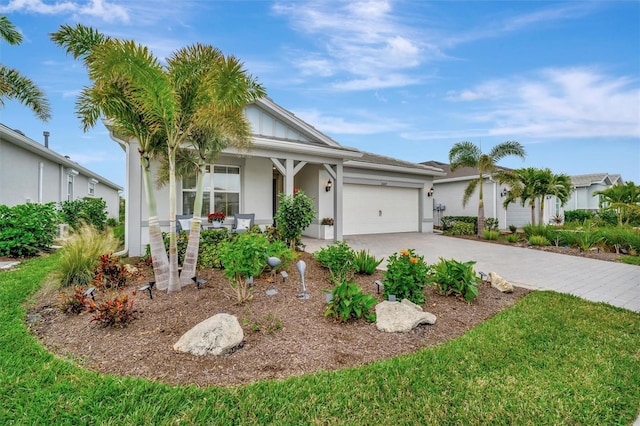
(406,79)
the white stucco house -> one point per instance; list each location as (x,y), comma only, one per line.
(364,193)
(30,172)
(585,186)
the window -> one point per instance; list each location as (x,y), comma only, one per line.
(69,187)
(92,187)
(221,191)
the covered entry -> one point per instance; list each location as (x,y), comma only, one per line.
(377,209)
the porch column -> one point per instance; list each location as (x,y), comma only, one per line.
(337,203)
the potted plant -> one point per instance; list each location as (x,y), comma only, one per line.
(216,218)
(327,228)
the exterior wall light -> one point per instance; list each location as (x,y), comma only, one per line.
(328,185)
(430,192)
(504,192)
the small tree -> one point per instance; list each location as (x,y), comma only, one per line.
(243,258)
(295,213)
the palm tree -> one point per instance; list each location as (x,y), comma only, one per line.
(14,85)
(556,185)
(523,185)
(112,100)
(623,199)
(466,154)
(184,97)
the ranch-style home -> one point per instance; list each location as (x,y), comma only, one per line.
(30,172)
(363,192)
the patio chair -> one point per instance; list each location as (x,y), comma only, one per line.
(243,222)
(183,223)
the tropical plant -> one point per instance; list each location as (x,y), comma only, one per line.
(539,240)
(453,277)
(348,301)
(406,276)
(327,221)
(492,223)
(366,263)
(623,199)
(339,258)
(466,154)
(490,234)
(513,229)
(14,85)
(588,238)
(81,253)
(462,228)
(295,213)
(579,216)
(116,311)
(243,258)
(512,238)
(75,300)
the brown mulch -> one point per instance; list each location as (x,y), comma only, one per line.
(284,336)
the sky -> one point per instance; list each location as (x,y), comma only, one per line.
(405,79)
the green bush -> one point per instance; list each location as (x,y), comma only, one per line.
(243,257)
(348,301)
(538,240)
(615,237)
(633,240)
(513,229)
(449,221)
(453,277)
(512,238)
(365,263)
(81,253)
(461,228)
(406,276)
(542,230)
(607,217)
(339,258)
(282,251)
(26,229)
(295,213)
(588,238)
(490,234)
(577,215)
(87,210)
(491,223)
(208,252)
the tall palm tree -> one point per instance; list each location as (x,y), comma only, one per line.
(14,85)
(623,199)
(556,185)
(113,101)
(523,185)
(467,154)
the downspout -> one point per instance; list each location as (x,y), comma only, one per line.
(127,206)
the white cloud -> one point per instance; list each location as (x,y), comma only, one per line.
(558,102)
(105,10)
(364,124)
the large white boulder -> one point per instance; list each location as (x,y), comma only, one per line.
(401,316)
(500,283)
(214,336)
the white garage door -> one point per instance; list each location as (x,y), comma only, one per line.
(372,209)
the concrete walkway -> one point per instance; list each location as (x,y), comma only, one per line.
(614,283)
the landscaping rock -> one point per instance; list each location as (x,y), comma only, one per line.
(500,283)
(402,316)
(214,336)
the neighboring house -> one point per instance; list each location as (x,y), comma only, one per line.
(364,193)
(32,173)
(582,197)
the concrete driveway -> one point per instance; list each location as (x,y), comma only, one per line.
(614,283)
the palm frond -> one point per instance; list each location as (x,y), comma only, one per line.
(8,31)
(14,85)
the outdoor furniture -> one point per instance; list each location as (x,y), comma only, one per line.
(242,222)
(183,223)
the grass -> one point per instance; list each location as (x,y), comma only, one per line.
(631,260)
(551,359)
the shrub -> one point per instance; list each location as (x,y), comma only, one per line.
(538,240)
(87,210)
(448,222)
(577,215)
(366,263)
(327,221)
(26,229)
(406,276)
(282,251)
(109,273)
(633,240)
(491,223)
(513,229)
(339,258)
(208,250)
(615,237)
(588,238)
(115,312)
(530,230)
(490,234)
(453,277)
(349,301)
(512,238)
(243,257)
(75,300)
(461,228)
(295,213)
(80,255)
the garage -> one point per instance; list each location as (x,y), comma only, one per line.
(370,209)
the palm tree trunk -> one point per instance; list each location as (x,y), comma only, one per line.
(158,252)
(174,284)
(480,216)
(191,256)
(532,204)
(541,212)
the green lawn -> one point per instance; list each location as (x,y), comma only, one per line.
(551,359)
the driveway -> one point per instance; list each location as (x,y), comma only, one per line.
(614,283)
